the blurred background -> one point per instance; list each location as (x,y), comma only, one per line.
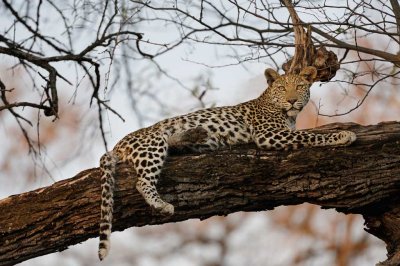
(191,55)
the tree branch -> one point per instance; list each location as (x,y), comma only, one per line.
(395,59)
(396,11)
(363,178)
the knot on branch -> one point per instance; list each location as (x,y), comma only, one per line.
(326,63)
(306,54)
(49,111)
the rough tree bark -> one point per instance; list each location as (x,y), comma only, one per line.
(363,178)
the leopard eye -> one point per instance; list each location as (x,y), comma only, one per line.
(282,88)
(299,87)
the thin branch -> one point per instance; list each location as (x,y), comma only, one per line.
(396,11)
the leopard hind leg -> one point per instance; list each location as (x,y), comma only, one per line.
(107,164)
(148,164)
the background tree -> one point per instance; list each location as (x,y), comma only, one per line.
(59,58)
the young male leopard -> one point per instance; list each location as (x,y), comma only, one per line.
(268,121)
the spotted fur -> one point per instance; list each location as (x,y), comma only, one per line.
(267,120)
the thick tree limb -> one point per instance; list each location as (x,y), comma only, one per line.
(363,178)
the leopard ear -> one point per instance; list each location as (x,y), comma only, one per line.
(271,75)
(309,73)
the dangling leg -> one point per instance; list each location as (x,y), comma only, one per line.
(148,166)
(146,187)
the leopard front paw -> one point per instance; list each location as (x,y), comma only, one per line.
(345,138)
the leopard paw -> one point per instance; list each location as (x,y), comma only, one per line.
(345,138)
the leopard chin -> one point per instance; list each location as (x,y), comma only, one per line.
(292,112)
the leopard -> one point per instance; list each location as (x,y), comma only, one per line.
(268,121)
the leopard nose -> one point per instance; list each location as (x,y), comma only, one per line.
(292,101)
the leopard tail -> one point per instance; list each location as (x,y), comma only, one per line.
(107,164)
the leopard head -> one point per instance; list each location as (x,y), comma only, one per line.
(290,92)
